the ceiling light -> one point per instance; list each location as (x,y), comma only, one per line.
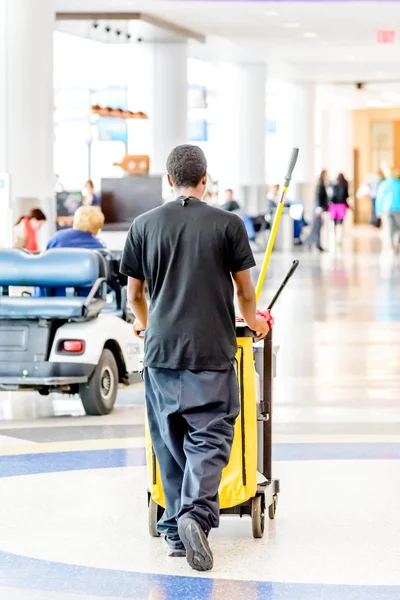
(271,13)
(292,25)
(350,57)
(310,34)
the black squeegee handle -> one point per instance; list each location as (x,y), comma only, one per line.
(288,275)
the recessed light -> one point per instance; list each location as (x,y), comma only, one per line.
(292,25)
(310,34)
(350,57)
(271,13)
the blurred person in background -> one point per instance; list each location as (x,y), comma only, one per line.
(88,222)
(273,196)
(321,206)
(89,196)
(338,206)
(296,211)
(373,183)
(26,229)
(388,205)
(230,204)
(59,185)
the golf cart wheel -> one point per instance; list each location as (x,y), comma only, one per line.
(257,516)
(98,395)
(272,508)
(155,514)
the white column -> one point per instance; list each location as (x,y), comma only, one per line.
(140,97)
(26,105)
(252,141)
(241,125)
(169,114)
(296,127)
(336,142)
(227,128)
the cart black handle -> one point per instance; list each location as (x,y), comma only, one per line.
(288,275)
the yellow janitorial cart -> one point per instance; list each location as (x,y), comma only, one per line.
(247,486)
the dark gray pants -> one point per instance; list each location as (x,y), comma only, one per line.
(315,234)
(394,228)
(191,418)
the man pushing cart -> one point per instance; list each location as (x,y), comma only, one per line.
(196,373)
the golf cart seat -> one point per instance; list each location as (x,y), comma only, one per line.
(116,303)
(68,284)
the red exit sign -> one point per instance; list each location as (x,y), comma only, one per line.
(386,36)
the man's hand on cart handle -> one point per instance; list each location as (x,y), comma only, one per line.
(266,314)
(262,325)
(261,328)
(138,329)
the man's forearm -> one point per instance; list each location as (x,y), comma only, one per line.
(139,309)
(248,309)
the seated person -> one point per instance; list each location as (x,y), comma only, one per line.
(88,222)
(230,204)
(89,196)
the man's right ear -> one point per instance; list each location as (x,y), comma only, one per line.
(170,182)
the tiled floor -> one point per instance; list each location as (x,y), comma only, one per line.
(73,517)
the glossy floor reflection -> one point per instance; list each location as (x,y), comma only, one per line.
(72,489)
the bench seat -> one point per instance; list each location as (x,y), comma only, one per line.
(32,307)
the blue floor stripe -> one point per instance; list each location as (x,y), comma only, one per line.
(30,464)
(332,451)
(28,573)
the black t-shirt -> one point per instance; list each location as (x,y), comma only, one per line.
(186,255)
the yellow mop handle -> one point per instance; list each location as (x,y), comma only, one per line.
(275,225)
(268,251)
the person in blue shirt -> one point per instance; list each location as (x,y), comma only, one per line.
(89,196)
(388,204)
(88,222)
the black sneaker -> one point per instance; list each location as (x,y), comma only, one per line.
(198,551)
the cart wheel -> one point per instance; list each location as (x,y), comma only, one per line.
(155,513)
(98,395)
(257,517)
(272,508)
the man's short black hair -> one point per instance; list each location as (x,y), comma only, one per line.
(186,165)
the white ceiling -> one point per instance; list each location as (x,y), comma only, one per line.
(344,49)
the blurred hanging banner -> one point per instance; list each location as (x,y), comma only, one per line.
(386,36)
